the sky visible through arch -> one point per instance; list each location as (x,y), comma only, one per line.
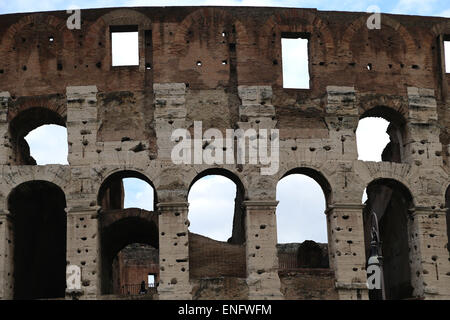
(300,212)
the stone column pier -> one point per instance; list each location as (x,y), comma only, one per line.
(430,267)
(83,246)
(261,250)
(6,256)
(174,251)
(347,250)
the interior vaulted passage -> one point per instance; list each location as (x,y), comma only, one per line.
(129,237)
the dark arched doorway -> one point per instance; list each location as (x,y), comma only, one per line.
(38,210)
(390,201)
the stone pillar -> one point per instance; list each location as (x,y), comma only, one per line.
(170,114)
(347,250)
(174,251)
(342,118)
(83,248)
(6,256)
(82,125)
(261,250)
(430,267)
(5,145)
(423,147)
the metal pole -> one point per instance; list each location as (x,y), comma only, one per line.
(379,251)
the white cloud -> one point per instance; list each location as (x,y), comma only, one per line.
(414,6)
(445,13)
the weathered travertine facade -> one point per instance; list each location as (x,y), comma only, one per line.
(120,119)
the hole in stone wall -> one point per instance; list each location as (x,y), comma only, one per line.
(39,136)
(48,144)
(447,56)
(371,138)
(295,61)
(126,199)
(212,206)
(138,194)
(390,201)
(127,189)
(40,225)
(130,250)
(380,135)
(124,46)
(135,270)
(301,223)
(217,225)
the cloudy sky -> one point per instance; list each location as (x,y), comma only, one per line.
(300,213)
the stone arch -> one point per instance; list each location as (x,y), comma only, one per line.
(56,104)
(120,227)
(320,40)
(62,43)
(98,32)
(383,103)
(38,210)
(441,28)
(114,177)
(206,44)
(357,24)
(119,234)
(391,201)
(28,117)
(309,253)
(316,175)
(216,16)
(402,173)
(58,175)
(299,21)
(221,172)
(397,130)
(238,233)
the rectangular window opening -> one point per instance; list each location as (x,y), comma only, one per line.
(295,60)
(447,54)
(124,46)
(151,280)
